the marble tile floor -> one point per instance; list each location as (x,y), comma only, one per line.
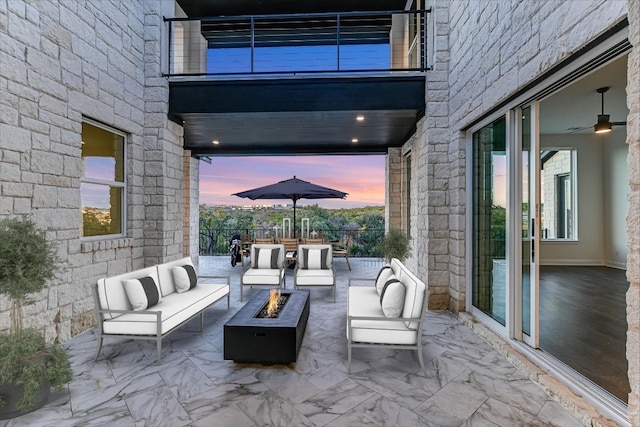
(466,382)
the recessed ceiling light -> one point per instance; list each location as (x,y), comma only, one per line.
(215,142)
(354,140)
(360,118)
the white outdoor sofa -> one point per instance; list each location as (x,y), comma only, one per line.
(367,323)
(117,318)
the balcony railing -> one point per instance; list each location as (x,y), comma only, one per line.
(363,242)
(346,42)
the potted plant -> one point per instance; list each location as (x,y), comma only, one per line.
(395,244)
(28,366)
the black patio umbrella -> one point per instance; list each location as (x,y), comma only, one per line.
(293,189)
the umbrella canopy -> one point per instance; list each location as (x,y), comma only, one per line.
(293,189)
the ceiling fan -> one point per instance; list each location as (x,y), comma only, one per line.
(604,125)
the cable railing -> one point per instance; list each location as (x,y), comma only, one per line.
(363,242)
(292,44)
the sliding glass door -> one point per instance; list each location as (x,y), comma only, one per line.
(489,221)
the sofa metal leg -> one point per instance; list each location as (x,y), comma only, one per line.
(202,321)
(349,356)
(241,286)
(420,357)
(159,346)
(99,348)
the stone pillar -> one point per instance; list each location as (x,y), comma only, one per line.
(393,193)
(190,207)
(633,216)
(163,152)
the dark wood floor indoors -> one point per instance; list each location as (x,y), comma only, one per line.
(583,322)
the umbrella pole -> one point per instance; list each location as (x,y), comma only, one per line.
(294,219)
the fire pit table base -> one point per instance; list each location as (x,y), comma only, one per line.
(269,341)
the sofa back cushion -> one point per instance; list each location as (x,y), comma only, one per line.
(112,294)
(267,256)
(315,257)
(415,292)
(166,278)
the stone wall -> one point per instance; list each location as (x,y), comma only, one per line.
(61,62)
(633,216)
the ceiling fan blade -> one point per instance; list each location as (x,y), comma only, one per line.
(618,123)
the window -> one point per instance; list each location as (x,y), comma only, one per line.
(103,181)
(557,176)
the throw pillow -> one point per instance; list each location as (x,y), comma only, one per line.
(384,274)
(185,277)
(392,298)
(142,293)
(315,259)
(266,258)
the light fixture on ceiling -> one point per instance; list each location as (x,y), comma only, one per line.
(360,118)
(354,140)
(215,142)
(604,125)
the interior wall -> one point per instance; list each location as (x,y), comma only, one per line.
(616,204)
(588,249)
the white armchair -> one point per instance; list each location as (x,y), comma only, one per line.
(315,267)
(266,267)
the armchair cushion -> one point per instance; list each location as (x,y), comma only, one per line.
(314,259)
(266,258)
(142,293)
(185,277)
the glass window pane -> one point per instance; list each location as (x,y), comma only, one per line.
(489,220)
(102,154)
(101,209)
(557,194)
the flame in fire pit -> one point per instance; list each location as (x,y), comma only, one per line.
(272,306)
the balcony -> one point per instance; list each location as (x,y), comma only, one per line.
(294,83)
(289,45)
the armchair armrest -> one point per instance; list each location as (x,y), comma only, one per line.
(227,278)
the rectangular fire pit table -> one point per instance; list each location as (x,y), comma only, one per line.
(249,339)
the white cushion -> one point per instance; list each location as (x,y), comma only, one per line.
(176,308)
(254,276)
(165,275)
(383,275)
(143,293)
(415,292)
(112,294)
(314,277)
(266,258)
(184,277)
(392,297)
(364,301)
(314,259)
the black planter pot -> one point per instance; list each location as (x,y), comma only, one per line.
(11,395)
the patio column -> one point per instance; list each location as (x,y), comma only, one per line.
(190,207)
(393,193)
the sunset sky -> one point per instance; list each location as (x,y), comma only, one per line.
(362,177)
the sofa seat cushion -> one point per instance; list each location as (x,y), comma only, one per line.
(175,308)
(364,301)
(254,276)
(314,277)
